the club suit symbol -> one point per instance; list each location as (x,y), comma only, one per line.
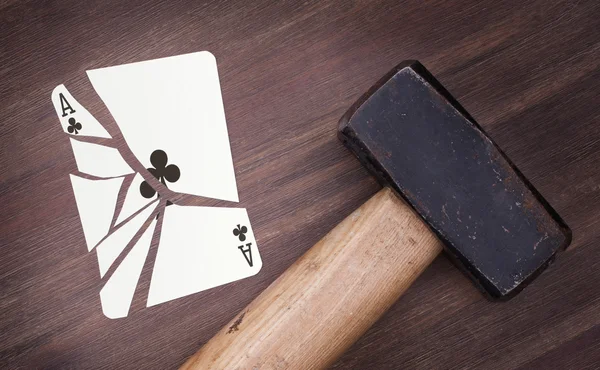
(240,232)
(161,171)
(74,126)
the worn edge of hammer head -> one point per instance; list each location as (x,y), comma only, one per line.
(539,210)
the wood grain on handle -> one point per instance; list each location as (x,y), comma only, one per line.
(328,298)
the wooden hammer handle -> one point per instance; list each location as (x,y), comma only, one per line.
(328,298)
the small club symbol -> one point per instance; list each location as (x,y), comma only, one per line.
(74,126)
(160,171)
(239,231)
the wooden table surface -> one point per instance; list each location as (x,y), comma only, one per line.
(528,71)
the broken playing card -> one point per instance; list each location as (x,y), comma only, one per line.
(171,115)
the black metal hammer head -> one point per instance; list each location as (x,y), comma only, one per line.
(416,138)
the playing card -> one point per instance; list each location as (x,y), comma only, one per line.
(201,248)
(74,118)
(171,115)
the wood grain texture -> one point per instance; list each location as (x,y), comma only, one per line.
(527,71)
(331,295)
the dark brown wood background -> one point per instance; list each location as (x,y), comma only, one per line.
(528,71)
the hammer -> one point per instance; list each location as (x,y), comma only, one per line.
(446,185)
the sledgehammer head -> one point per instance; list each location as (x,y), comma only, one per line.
(415,137)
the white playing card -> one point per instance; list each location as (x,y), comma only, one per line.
(173,105)
(96,201)
(74,118)
(99,160)
(171,115)
(117,293)
(201,248)
(134,201)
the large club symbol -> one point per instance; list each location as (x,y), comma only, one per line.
(161,171)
